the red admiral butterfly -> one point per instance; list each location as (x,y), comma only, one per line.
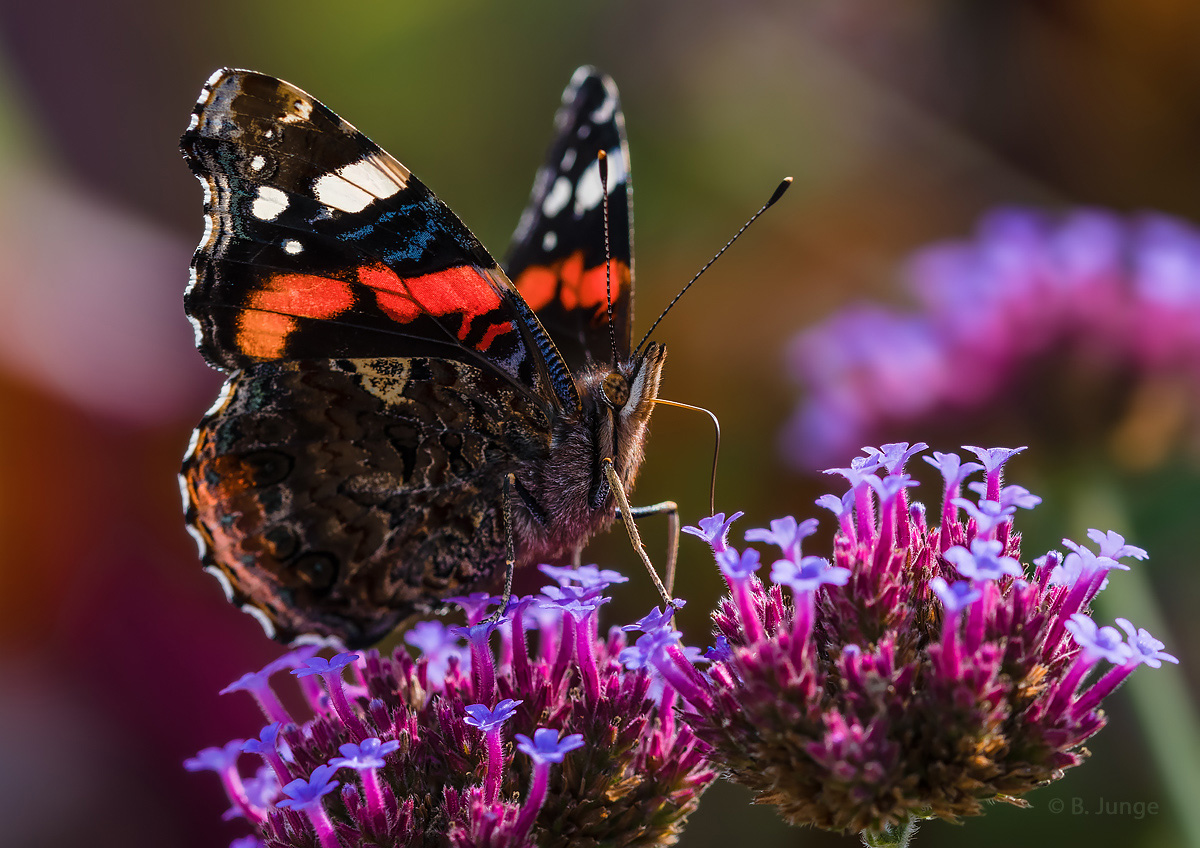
(401,415)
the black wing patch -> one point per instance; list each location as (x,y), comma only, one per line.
(319,245)
(556,258)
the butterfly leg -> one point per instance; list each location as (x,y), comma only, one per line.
(614,481)
(671,510)
(510,557)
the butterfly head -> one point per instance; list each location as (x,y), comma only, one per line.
(627,394)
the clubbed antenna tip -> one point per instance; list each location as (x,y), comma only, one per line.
(783,186)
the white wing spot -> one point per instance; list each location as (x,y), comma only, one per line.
(269,203)
(584,131)
(197,331)
(549,241)
(568,159)
(604,113)
(577,78)
(292,247)
(221,578)
(301,111)
(268,626)
(352,187)
(258,163)
(184,497)
(223,396)
(557,199)
(320,641)
(590,190)
(201,547)
(191,449)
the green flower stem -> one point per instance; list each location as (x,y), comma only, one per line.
(897,836)
(1168,720)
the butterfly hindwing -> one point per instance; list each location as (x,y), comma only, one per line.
(319,245)
(557,256)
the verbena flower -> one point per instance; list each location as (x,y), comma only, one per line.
(1075,327)
(920,670)
(527,731)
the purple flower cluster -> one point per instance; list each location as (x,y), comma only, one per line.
(530,730)
(922,669)
(1099,296)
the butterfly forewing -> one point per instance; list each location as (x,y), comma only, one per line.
(557,256)
(320,245)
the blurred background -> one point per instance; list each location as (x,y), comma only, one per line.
(901,123)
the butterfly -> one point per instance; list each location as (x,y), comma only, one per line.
(403,418)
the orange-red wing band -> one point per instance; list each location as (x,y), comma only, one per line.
(463,290)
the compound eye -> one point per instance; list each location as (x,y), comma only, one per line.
(616,389)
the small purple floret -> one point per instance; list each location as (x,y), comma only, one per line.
(475,605)
(588,577)
(954,597)
(1145,648)
(1017,497)
(267,741)
(720,651)
(983,561)
(1112,545)
(303,794)
(840,507)
(952,468)
(546,747)
(216,759)
(320,665)
(993,458)
(895,455)
(367,754)
(714,529)
(785,533)
(737,566)
(1098,642)
(810,574)
(651,621)
(478,715)
(262,789)
(987,514)
(886,488)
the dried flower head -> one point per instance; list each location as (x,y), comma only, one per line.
(530,730)
(920,670)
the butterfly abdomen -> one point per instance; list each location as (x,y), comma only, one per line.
(340,497)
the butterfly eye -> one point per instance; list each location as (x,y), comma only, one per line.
(616,389)
(318,570)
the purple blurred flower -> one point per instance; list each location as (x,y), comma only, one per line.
(1034,305)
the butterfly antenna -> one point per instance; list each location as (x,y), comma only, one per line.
(712,480)
(783,186)
(602,163)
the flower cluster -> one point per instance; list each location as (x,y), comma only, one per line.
(420,751)
(1086,312)
(920,671)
